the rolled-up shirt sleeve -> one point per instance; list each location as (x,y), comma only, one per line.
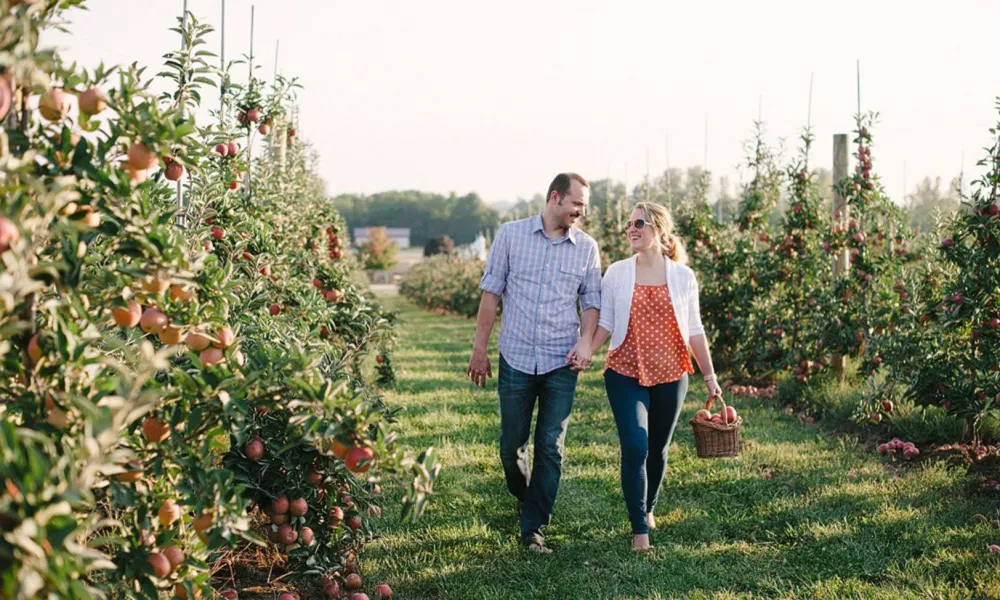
(695,326)
(607,317)
(494,278)
(590,287)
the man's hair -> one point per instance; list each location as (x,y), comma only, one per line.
(562,183)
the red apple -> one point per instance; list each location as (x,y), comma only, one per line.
(359,459)
(353,581)
(218,232)
(153,321)
(275,309)
(211,356)
(92,101)
(141,157)
(298,507)
(279,505)
(174,171)
(314,478)
(9,234)
(197,341)
(307,536)
(225,338)
(287,534)
(383,590)
(160,564)
(127,317)
(175,556)
(254,449)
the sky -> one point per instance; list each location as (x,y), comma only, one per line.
(496,98)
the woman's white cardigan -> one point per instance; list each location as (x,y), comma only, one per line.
(616,299)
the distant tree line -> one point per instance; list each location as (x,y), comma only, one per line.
(438,223)
(426,215)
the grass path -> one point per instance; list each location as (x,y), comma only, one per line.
(831,522)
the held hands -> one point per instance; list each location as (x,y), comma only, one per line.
(479,367)
(579,357)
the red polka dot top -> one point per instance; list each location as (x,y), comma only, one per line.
(653,350)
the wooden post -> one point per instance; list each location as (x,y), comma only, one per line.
(19,107)
(666,174)
(181,218)
(840,210)
(250,130)
(222,68)
(646,181)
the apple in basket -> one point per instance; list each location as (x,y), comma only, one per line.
(703,415)
(720,418)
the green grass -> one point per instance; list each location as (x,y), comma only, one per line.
(832,522)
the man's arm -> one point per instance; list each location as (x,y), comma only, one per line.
(479,365)
(590,304)
(493,284)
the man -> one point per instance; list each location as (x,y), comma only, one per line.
(540,266)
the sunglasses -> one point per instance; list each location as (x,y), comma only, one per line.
(638,223)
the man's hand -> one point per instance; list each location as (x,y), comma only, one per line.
(479,367)
(579,357)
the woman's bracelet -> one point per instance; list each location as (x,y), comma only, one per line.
(710,378)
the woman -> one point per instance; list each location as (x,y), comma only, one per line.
(650,309)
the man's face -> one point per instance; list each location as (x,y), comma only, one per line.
(573,205)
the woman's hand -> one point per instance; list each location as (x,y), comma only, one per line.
(714,391)
(579,357)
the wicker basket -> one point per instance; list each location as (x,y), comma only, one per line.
(712,440)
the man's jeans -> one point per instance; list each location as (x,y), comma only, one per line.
(538,484)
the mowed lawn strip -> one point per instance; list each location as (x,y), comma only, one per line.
(800,514)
